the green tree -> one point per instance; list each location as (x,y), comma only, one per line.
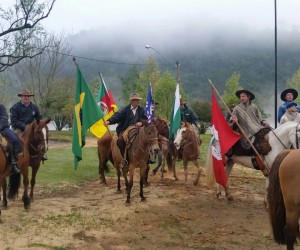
(294,83)
(232,85)
(129,83)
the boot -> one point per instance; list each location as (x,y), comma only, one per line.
(14,161)
(121,144)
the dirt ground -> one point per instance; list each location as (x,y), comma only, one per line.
(174,216)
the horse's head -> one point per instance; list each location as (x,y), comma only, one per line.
(162,126)
(185,133)
(38,140)
(151,134)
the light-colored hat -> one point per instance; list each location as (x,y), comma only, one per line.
(135,96)
(25,92)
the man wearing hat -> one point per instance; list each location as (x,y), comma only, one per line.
(188,115)
(291,113)
(287,95)
(132,114)
(23,113)
(248,116)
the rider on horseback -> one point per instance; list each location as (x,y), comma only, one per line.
(248,116)
(132,114)
(12,138)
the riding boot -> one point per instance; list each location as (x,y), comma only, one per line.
(14,160)
(44,158)
(122,145)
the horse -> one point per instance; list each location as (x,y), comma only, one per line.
(283,137)
(187,140)
(164,155)
(284,197)
(34,142)
(141,140)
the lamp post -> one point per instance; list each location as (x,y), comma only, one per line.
(176,65)
(275,8)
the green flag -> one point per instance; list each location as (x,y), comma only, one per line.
(86,113)
(175,118)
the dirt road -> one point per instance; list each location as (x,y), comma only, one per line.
(174,216)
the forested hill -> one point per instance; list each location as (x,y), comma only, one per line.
(216,56)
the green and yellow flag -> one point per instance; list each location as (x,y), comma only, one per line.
(86,114)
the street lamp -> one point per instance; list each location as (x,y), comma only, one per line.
(176,65)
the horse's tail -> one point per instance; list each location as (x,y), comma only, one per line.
(14,184)
(275,199)
(210,174)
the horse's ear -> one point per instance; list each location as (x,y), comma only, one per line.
(47,120)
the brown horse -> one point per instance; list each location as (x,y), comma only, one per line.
(142,140)
(34,144)
(284,197)
(187,148)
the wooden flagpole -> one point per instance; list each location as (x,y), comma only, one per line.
(239,126)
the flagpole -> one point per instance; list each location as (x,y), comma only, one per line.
(239,126)
(104,122)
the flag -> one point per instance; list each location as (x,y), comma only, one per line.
(108,106)
(86,113)
(175,118)
(222,140)
(149,104)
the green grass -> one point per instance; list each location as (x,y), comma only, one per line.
(59,169)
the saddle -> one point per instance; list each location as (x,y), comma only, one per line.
(4,144)
(129,135)
(261,144)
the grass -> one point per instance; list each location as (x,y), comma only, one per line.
(59,169)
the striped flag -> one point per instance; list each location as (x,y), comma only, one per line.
(149,104)
(175,118)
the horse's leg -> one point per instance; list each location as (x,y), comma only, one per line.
(35,169)
(174,168)
(198,172)
(266,203)
(229,166)
(25,198)
(119,177)
(4,190)
(130,182)
(143,172)
(185,165)
(154,171)
(163,159)
(147,184)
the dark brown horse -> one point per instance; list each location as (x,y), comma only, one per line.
(34,144)
(187,148)
(142,140)
(284,197)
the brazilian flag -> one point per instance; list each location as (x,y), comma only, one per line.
(86,114)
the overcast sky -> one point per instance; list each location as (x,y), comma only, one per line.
(72,16)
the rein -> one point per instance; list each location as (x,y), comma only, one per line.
(148,139)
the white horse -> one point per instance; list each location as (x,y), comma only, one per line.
(283,137)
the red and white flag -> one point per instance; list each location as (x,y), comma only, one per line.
(222,140)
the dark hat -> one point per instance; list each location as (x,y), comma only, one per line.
(135,96)
(247,92)
(293,91)
(290,104)
(25,92)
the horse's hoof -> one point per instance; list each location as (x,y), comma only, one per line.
(229,198)
(147,184)
(103,183)
(127,202)
(153,172)
(218,194)
(176,178)
(143,199)
(195,183)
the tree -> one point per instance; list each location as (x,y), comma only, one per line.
(40,73)
(59,104)
(294,82)
(20,28)
(232,85)
(129,83)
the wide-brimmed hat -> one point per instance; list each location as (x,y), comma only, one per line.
(293,91)
(247,92)
(135,96)
(25,92)
(290,104)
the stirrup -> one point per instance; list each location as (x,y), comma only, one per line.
(123,163)
(14,169)
(44,158)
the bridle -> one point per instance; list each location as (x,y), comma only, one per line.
(296,135)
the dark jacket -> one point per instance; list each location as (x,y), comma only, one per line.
(21,115)
(3,118)
(124,118)
(188,115)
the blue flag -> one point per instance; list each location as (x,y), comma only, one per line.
(149,104)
